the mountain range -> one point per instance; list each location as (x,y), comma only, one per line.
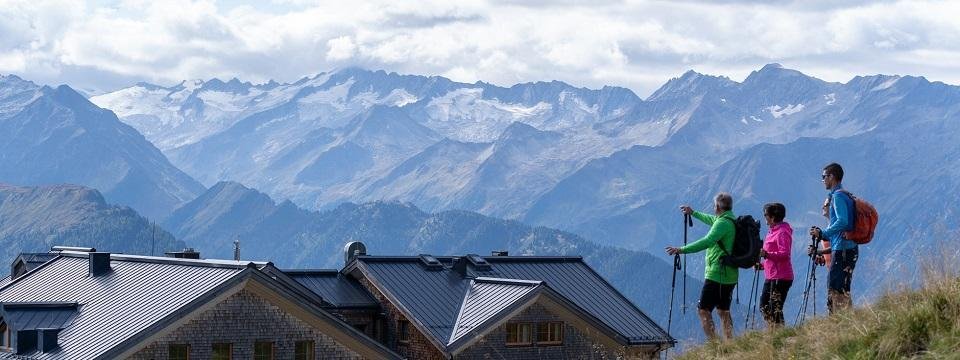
(54,135)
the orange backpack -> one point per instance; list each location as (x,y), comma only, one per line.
(864,221)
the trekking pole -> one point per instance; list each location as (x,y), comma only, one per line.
(752,303)
(754,290)
(811,268)
(756,303)
(687,223)
(673,288)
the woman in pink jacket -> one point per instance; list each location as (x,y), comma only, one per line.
(777,268)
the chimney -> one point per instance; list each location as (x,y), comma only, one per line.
(47,339)
(460,267)
(188,253)
(236,249)
(499,253)
(353,249)
(99,263)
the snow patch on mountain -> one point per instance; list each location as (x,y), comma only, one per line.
(830,98)
(886,84)
(464,115)
(777,111)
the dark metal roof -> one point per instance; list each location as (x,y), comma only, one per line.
(339,290)
(485,299)
(148,288)
(32,316)
(434,298)
(573,279)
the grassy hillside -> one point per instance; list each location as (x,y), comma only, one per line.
(922,323)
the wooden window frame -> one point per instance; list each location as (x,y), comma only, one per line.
(5,334)
(273,349)
(170,347)
(229,349)
(403,331)
(519,325)
(548,325)
(311,353)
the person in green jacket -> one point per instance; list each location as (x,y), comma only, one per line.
(719,280)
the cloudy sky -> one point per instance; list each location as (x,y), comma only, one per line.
(104,45)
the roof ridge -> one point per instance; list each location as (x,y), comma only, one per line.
(220,263)
(507,281)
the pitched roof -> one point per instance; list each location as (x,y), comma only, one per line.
(485,299)
(444,304)
(150,288)
(141,295)
(337,289)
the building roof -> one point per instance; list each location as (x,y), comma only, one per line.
(487,298)
(444,303)
(336,289)
(33,316)
(150,289)
(139,296)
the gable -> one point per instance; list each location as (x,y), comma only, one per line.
(257,308)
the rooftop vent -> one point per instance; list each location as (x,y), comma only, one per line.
(188,253)
(353,249)
(499,253)
(431,263)
(99,263)
(478,263)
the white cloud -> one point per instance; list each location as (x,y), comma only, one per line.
(638,44)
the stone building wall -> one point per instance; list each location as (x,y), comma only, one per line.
(241,320)
(576,344)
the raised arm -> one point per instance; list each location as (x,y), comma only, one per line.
(704,217)
(712,237)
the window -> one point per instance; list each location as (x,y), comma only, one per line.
(550,333)
(263,350)
(304,350)
(519,334)
(222,351)
(178,352)
(4,335)
(403,331)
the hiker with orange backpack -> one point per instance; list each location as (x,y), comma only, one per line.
(852,222)
(719,279)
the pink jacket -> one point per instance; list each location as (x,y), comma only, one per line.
(777,265)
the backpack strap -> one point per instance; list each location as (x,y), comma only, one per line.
(844,191)
(734,222)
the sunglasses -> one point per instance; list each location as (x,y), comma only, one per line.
(824,176)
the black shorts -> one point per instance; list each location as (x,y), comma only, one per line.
(715,295)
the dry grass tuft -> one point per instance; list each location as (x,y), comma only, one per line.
(911,324)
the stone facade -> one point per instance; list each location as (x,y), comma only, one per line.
(242,319)
(576,344)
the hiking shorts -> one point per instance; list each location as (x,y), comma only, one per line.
(715,295)
(841,269)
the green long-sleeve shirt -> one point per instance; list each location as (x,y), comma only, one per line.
(721,232)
